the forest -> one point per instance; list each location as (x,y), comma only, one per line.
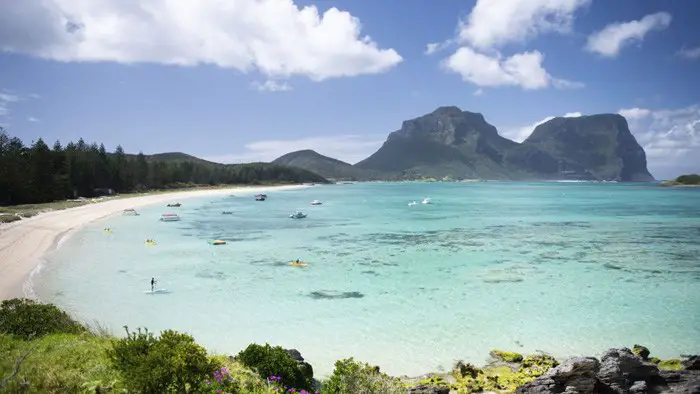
(38,173)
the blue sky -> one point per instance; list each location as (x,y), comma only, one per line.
(245,80)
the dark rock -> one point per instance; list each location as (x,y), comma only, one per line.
(426,389)
(466,370)
(641,351)
(575,375)
(295,354)
(620,368)
(681,382)
(692,363)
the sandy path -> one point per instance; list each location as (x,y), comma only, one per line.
(24,243)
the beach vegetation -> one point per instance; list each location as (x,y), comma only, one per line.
(509,357)
(350,377)
(670,365)
(29,319)
(269,361)
(172,362)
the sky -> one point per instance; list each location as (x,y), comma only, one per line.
(250,80)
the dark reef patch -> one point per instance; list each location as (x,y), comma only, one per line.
(211,275)
(334,295)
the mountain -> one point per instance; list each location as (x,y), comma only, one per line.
(325,166)
(463,145)
(601,146)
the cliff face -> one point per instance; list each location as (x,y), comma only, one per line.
(599,145)
(462,145)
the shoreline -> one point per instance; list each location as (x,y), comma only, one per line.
(24,243)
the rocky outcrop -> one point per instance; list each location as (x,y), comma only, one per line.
(462,144)
(598,146)
(303,366)
(427,389)
(620,371)
(692,363)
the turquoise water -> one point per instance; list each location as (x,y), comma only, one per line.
(567,268)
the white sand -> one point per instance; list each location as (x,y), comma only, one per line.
(24,243)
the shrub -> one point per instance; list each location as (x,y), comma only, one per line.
(28,319)
(273,361)
(510,357)
(171,363)
(351,377)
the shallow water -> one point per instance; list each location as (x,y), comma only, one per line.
(567,268)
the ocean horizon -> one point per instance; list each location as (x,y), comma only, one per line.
(568,268)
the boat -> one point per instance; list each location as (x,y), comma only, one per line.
(130,212)
(217,242)
(298,215)
(315,202)
(298,264)
(176,205)
(150,242)
(227,213)
(412,203)
(169,217)
(260,197)
(427,201)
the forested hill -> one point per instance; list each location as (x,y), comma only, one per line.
(39,173)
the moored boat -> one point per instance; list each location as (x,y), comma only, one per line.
(170,217)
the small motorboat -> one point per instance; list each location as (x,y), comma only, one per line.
(217,242)
(260,197)
(315,202)
(412,203)
(170,217)
(227,213)
(130,212)
(176,205)
(151,242)
(427,201)
(298,215)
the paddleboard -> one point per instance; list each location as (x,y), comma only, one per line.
(157,291)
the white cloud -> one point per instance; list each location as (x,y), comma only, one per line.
(690,53)
(6,100)
(478,92)
(274,37)
(271,86)
(519,134)
(32,119)
(348,148)
(522,69)
(634,113)
(610,41)
(493,23)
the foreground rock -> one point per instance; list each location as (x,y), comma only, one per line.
(303,366)
(620,371)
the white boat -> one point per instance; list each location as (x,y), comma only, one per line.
(170,217)
(412,203)
(298,215)
(427,201)
(130,212)
(315,202)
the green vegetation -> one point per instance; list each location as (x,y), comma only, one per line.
(510,357)
(351,376)
(670,365)
(684,180)
(38,174)
(27,319)
(274,361)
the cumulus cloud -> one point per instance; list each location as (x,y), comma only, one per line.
(493,23)
(690,53)
(634,113)
(522,69)
(348,148)
(519,134)
(610,41)
(275,37)
(271,86)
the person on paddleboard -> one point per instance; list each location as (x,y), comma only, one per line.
(153,284)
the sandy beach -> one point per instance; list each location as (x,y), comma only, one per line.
(24,243)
